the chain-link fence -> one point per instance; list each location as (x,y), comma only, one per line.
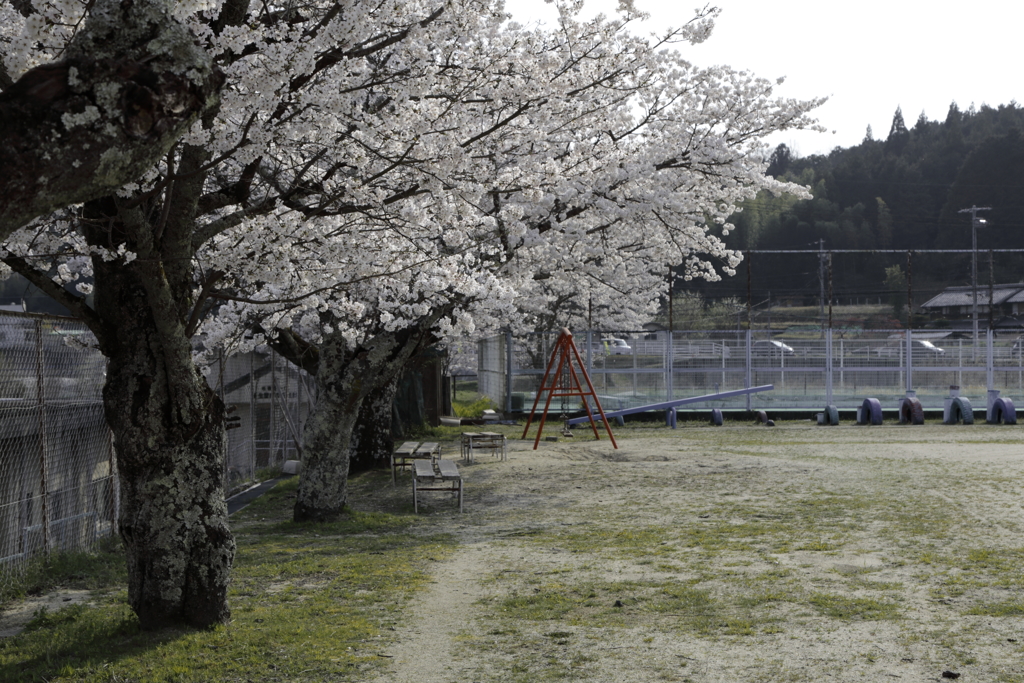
(632,369)
(58,469)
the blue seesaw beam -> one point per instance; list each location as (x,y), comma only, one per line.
(678,402)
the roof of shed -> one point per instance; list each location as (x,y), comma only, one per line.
(963,296)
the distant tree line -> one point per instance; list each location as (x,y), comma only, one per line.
(901,192)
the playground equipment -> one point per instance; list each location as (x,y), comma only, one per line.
(870,412)
(829,416)
(565,382)
(1000,409)
(957,408)
(911,411)
(670,406)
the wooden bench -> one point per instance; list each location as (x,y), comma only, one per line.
(492,441)
(402,457)
(440,476)
(429,449)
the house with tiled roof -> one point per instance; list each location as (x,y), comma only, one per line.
(956,303)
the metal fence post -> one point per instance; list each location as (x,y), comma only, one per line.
(272,442)
(989,359)
(115,484)
(842,365)
(670,357)
(224,407)
(634,367)
(590,352)
(828,367)
(252,414)
(910,359)
(41,438)
(747,378)
(960,362)
(508,372)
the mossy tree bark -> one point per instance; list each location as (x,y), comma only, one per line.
(169,433)
(133,80)
(372,439)
(346,375)
(168,424)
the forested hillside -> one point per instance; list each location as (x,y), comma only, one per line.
(901,192)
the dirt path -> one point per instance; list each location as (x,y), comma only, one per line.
(423,651)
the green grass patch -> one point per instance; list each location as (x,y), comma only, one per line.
(1009,608)
(309,603)
(664,605)
(850,609)
(102,567)
(474,407)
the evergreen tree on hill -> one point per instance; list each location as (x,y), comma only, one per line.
(899,136)
(903,192)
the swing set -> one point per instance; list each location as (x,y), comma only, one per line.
(565,382)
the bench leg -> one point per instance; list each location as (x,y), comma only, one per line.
(415,501)
(394,478)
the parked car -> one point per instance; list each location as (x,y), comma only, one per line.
(922,347)
(613,346)
(771,347)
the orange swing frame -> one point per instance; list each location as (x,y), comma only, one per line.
(565,351)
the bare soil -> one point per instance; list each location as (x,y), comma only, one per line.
(740,553)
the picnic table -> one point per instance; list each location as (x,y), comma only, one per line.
(404,456)
(442,475)
(491,441)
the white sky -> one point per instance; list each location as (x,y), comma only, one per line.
(868,57)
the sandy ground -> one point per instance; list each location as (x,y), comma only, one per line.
(813,553)
(741,553)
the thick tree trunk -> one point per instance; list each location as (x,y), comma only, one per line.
(345,378)
(372,438)
(171,443)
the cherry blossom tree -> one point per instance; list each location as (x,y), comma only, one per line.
(105,102)
(376,177)
(584,152)
(293,73)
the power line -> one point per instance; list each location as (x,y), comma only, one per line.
(876,251)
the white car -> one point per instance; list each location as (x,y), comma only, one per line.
(771,347)
(613,347)
(922,347)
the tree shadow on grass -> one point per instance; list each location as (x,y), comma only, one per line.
(308,601)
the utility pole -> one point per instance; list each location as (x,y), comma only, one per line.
(975,223)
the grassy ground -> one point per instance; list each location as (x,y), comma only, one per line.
(309,602)
(742,553)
